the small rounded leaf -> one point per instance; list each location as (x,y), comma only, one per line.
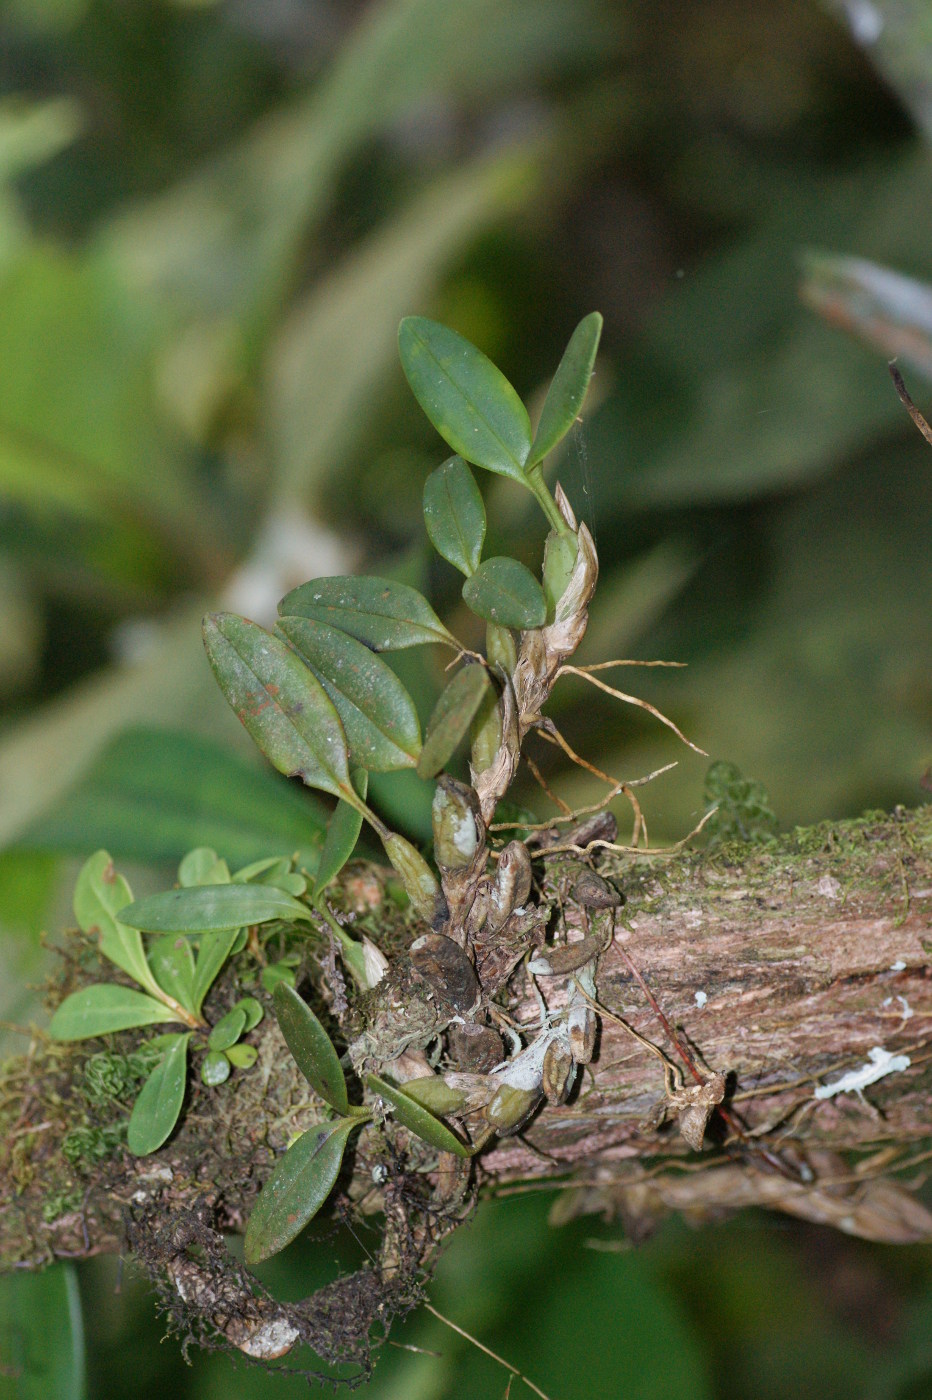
(452,715)
(455,515)
(466,397)
(158,1106)
(242,1056)
(420,1121)
(215,1069)
(311,1047)
(228,1029)
(254,1012)
(297,1188)
(568,389)
(503,591)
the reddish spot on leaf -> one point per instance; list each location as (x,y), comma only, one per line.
(109,874)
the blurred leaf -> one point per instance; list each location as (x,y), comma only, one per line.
(505,592)
(228,1029)
(27,886)
(152,794)
(882,307)
(568,389)
(32,132)
(42,1351)
(172,963)
(895,37)
(455,515)
(383,614)
(105,1007)
(311,1047)
(416,1119)
(297,1188)
(467,398)
(453,714)
(377,712)
(279,702)
(99,896)
(206,908)
(158,1106)
(213,951)
(203,866)
(342,834)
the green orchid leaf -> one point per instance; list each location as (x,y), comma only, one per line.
(416,1119)
(503,591)
(215,1068)
(172,962)
(228,1029)
(206,908)
(212,952)
(203,866)
(342,834)
(158,1107)
(385,615)
(282,705)
(99,896)
(297,1188)
(568,387)
(433,1093)
(242,1056)
(378,714)
(452,715)
(254,1012)
(311,1047)
(43,1335)
(275,973)
(275,871)
(468,400)
(454,514)
(105,1007)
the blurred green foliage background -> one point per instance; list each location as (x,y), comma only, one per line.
(212,217)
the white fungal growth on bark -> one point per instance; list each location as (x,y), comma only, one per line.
(880,1063)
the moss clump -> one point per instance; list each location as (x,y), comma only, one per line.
(743,811)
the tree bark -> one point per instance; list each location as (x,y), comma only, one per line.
(791,968)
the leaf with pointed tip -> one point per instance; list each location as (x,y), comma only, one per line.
(105,1007)
(212,952)
(157,1109)
(311,1047)
(378,714)
(466,397)
(206,908)
(568,387)
(99,896)
(172,962)
(454,514)
(452,715)
(282,705)
(297,1188)
(342,834)
(503,591)
(418,1120)
(203,866)
(385,615)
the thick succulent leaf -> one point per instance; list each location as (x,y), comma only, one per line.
(228,1029)
(158,1106)
(105,1007)
(378,714)
(452,715)
(503,591)
(99,895)
(454,514)
(568,387)
(342,835)
(387,616)
(205,908)
(468,400)
(282,705)
(297,1188)
(311,1047)
(242,1056)
(416,1119)
(254,1012)
(172,961)
(215,1068)
(213,951)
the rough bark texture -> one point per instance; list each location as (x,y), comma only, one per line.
(782,966)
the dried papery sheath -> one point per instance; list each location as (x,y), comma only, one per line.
(458,829)
(443,964)
(474,1047)
(569,957)
(558,1071)
(581,1019)
(511,1107)
(594,892)
(511,885)
(493,782)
